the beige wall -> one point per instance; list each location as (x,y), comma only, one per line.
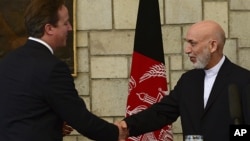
(105,35)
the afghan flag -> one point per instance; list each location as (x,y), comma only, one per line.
(148,83)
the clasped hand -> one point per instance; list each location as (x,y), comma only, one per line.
(123,130)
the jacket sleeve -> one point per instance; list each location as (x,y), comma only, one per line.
(155,117)
(64,99)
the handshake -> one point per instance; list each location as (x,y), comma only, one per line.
(123,130)
(122,126)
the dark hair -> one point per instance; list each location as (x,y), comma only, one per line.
(39,13)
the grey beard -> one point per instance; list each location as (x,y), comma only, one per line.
(202,60)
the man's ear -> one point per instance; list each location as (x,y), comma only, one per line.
(213,46)
(48,29)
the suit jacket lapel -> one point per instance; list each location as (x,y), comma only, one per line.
(195,89)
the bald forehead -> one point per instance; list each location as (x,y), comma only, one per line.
(206,29)
(207,25)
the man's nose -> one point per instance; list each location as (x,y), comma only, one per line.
(187,48)
(69,27)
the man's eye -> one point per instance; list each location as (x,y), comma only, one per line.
(193,43)
(66,23)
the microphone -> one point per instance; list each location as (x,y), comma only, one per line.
(235,104)
(246,104)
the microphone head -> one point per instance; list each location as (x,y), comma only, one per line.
(235,103)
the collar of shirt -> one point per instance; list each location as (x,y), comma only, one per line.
(42,42)
(214,70)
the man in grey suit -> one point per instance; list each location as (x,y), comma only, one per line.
(37,91)
(201,96)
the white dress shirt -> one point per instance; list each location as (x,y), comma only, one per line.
(210,76)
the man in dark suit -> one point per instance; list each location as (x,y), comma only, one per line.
(201,95)
(37,91)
